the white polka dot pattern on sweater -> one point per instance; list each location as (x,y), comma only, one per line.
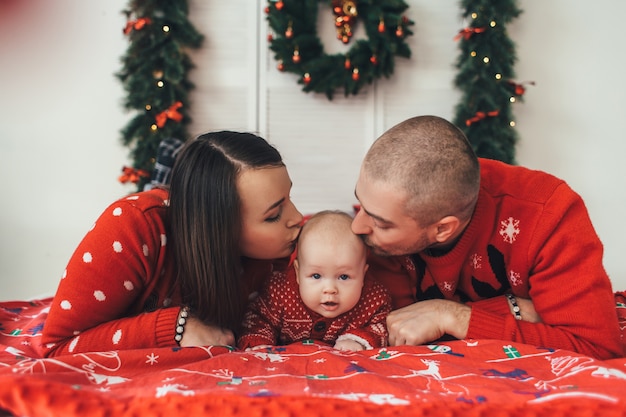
(117,275)
(117,336)
(73,344)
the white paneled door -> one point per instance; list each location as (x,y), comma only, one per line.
(239,87)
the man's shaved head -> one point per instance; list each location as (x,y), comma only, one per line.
(430,160)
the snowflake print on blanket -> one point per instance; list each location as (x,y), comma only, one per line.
(510,229)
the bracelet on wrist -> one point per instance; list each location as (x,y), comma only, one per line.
(180,324)
(516,310)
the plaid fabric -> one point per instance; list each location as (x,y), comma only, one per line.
(166,155)
(620,305)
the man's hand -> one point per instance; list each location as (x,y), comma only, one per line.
(199,334)
(527,310)
(427,321)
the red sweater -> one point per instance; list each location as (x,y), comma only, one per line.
(530,235)
(118,290)
(278,316)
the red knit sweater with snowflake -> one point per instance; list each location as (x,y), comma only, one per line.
(278,316)
(531,236)
(118,290)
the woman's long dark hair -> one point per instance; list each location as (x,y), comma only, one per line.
(205,221)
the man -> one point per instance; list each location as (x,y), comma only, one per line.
(478,249)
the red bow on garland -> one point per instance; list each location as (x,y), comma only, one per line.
(171,113)
(468,32)
(519,89)
(480,115)
(132,175)
(136,24)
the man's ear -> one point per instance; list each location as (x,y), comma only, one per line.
(447,228)
(297,269)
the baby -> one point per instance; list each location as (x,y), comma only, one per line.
(325,295)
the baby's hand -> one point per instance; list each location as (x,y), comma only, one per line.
(348,345)
(258,347)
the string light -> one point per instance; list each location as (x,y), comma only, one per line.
(166,28)
(512,100)
(498,76)
(148,107)
(492,24)
(486,60)
(474,15)
(473,53)
(160,84)
(154,128)
(512,123)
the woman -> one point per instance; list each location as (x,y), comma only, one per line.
(166,267)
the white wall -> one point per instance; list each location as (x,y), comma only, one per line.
(60,113)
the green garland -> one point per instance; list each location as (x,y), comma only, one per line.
(486,78)
(298,49)
(154,74)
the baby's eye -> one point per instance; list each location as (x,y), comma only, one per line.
(344,277)
(316,276)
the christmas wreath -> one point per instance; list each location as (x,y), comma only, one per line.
(298,49)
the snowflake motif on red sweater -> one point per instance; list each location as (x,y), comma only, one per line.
(408,263)
(476,261)
(515,279)
(510,229)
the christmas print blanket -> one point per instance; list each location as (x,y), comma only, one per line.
(456,378)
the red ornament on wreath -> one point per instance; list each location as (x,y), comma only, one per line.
(295,40)
(296,56)
(381,25)
(346,13)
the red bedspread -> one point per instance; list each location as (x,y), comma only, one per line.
(458,378)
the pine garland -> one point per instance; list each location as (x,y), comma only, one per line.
(299,50)
(486,78)
(154,74)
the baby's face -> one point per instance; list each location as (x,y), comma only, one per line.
(331,276)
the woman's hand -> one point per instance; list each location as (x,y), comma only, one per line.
(199,334)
